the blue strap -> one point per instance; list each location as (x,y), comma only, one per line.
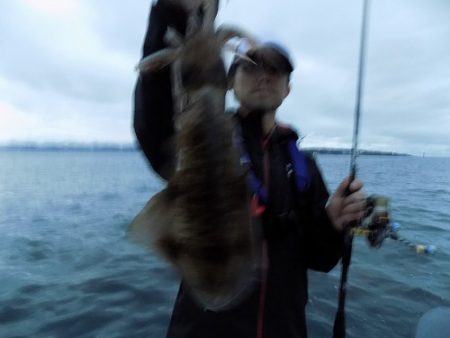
(299,165)
(298,161)
(257,187)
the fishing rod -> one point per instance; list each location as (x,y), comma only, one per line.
(339,322)
(375,225)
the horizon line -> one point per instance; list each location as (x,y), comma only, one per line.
(127,146)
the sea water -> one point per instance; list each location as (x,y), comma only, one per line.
(67,268)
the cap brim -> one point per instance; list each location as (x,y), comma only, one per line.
(272,58)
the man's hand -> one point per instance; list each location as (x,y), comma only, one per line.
(342,208)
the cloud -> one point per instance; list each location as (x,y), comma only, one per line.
(66,71)
(59,52)
(405,100)
(53,8)
(60,118)
(59,72)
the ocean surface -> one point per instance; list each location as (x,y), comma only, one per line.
(67,268)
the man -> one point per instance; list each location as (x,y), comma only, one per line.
(301,224)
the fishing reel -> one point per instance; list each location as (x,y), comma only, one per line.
(375,225)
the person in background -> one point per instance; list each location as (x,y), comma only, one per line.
(302,225)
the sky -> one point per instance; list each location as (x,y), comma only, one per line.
(67,69)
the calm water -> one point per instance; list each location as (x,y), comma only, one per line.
(68,270)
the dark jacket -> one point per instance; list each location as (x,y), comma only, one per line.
(296,228)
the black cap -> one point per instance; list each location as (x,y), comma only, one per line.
(270,54)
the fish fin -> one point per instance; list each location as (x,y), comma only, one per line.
(158,60)
(153,224)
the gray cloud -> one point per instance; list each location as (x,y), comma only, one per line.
(65,57)
(406,98)
(72,76)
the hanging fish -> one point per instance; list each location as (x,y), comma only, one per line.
(201,221)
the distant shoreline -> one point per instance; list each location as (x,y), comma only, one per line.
(70,147)
(131,147)
(344,151)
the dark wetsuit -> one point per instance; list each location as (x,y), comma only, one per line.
(297,230)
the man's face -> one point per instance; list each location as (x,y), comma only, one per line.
(260,88)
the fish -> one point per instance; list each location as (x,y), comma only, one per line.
(201,221)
